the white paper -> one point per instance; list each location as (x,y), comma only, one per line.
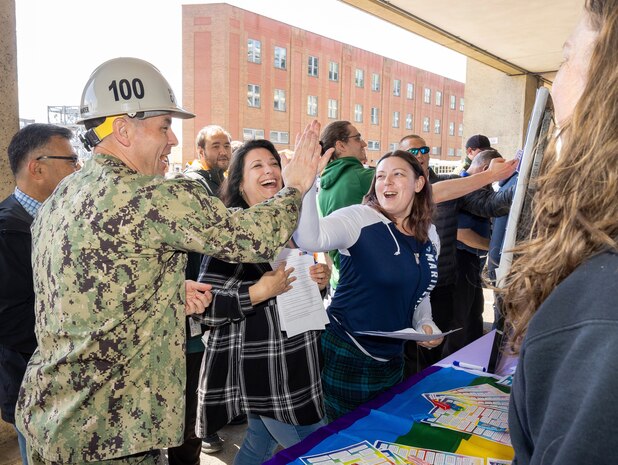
(301,308)
(409,334)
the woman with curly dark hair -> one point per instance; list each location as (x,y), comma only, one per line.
(250,365)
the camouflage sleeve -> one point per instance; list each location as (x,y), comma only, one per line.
(187,219)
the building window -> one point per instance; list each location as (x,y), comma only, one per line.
(460,130)
(453,102)
(436,126)
(451,152)
(333,71)
(410,91)
(438,98)
(374,115)
(253,95)
(395,119)
(252,134)
(396,87)
(393,146)
(332,108)
(373,145)
(312,105)
(451,129)
(426,124)
(254,51)
(358,113)
(460,153)
(279,99)
(375,82)
(427,95)
(436,150)
(312,66)
(279,137)
(461,104)
(359,78)
(281,57)
(409,121)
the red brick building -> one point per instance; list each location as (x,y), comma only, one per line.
(262,78)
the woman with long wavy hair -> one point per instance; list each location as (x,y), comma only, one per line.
(561,296)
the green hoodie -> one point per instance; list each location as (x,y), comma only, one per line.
(344,182)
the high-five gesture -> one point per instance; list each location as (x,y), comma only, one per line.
(301,170)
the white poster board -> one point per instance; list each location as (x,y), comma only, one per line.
(528,169)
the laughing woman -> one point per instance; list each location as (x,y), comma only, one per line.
(249,365)
(388,267)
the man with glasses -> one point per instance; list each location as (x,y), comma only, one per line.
(484,203)
(345,180)
(40,156)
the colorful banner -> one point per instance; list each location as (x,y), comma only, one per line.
(400,426)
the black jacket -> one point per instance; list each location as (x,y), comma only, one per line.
(482,202)
(210,179)
(16,288)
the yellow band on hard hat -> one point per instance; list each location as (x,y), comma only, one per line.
(105,128)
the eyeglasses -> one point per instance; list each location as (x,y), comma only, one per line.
(424,150)
(74,159)
(358,137)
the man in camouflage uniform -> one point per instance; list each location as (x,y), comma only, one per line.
(109,253)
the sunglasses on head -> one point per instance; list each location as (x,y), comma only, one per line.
(424,150)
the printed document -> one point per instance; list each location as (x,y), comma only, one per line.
(301,308)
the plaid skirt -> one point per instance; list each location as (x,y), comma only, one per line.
(351,378)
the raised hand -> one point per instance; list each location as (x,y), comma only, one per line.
(502,169)
(301,170)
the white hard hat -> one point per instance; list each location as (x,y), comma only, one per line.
(128,86)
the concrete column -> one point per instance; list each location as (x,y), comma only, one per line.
(9,110)
(9,124)
(498,106)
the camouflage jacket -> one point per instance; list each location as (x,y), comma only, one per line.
(109,254)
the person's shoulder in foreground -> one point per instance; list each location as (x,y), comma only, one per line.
(568,366)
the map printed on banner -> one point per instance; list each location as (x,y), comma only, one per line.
(481,410)
(390,453)
(362,453)
(432,457)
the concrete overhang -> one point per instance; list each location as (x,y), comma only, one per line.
(515,37)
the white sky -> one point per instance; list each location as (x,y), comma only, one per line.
(60,42)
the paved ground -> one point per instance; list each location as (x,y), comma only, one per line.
(233,436)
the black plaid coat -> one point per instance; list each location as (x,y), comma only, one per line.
(249,364)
